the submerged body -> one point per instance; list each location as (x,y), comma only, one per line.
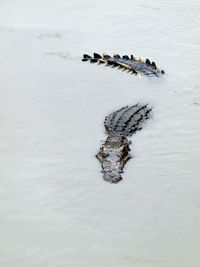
(131,64)
(114,153)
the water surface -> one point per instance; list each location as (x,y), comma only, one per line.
(55,208)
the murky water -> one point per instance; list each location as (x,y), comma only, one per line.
(55,208)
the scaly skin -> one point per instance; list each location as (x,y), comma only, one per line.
(114,153)
(132,64)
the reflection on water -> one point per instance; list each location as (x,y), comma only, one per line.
(55,208)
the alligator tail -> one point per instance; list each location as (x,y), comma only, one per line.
(131,64)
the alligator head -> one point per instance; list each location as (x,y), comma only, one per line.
(113,155)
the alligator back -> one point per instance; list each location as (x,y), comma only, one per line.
(131,64)
(127,120)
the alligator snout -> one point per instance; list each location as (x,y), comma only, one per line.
(112,177)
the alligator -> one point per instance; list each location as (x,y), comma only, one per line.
(119,125)
(131,64)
